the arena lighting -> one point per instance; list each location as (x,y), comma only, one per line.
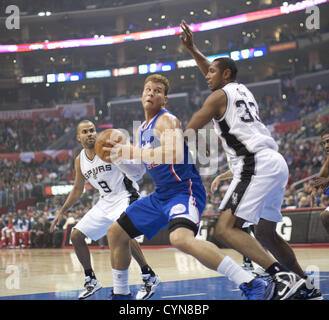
(235,55)
(58,190)
(143,68)
(98,74)
(32,79)
(64,77)
(151,34)
(118,72)
(156,67)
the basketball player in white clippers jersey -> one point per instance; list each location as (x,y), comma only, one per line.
(260,175)
(117,188)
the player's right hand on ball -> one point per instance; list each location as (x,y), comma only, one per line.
(113,151)
(118,151)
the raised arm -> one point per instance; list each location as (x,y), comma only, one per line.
(187,41)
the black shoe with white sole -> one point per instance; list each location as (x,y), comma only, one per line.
(91,286)
(287,286)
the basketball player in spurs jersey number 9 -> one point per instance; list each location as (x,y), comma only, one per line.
(117,187)
(260,175)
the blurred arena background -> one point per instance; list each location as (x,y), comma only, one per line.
(63,61)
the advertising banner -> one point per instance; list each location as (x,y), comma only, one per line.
(77,110)
(298,226)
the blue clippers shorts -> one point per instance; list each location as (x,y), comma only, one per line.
(178,205)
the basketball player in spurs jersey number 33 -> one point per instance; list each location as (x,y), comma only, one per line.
(260,175)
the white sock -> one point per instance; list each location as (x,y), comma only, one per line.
(120,281)
(233,271)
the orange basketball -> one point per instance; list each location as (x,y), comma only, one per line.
(114,135)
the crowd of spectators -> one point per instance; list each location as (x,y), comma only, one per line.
(32,135)
(295,105)
(30,228)
(21,177)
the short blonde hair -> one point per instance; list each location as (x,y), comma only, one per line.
(159,78)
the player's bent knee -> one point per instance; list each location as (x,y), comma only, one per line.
(224,224)
(114,232)
(179,240)
(123,229)
(181,230)
(76,236)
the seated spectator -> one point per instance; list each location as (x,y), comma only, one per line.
(58,233)
(8,234)
(324,201)
(22,232)
(291,204)
(304,202)
(40,236)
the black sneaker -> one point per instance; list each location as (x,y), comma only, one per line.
(308,294)
(287,285)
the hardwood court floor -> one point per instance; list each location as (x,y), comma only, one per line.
(50,274)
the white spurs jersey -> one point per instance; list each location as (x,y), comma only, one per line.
(241,131)
(106,177)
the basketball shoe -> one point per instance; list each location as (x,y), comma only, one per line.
(254,290)
(287,286)
(147,290)
(91,286)
(308,291)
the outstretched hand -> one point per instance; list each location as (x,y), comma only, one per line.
(187,38)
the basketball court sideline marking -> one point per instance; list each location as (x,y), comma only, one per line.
(184,295)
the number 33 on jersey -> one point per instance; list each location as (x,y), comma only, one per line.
(240,128)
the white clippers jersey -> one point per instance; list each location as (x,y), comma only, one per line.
(240,129)
(106,177)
